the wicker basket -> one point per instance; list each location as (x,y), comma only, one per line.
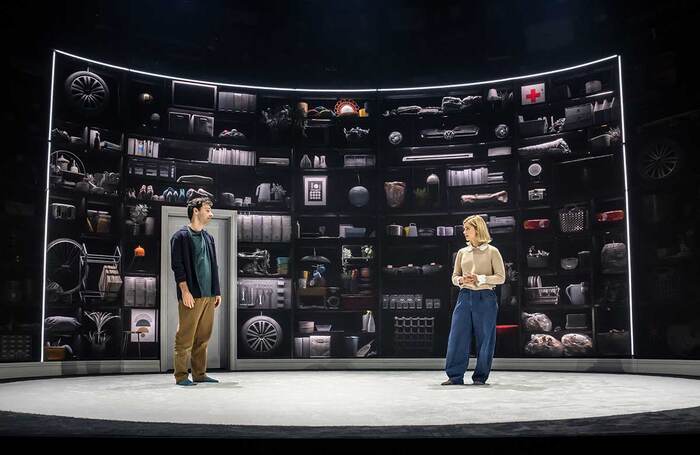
(546,295)
(572,219)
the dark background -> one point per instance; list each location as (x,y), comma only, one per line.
(369,44)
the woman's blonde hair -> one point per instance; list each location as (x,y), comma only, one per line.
(479,225)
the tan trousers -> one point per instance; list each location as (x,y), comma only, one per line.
(192,338)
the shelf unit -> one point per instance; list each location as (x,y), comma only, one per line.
(189,155)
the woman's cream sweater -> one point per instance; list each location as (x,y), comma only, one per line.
(485,261)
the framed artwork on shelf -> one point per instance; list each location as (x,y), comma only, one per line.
(145,324)
(315,190)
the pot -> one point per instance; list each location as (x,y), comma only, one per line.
(426,232)
(394,230)
(569,263)
(411,230)
(584,258)
(395,193)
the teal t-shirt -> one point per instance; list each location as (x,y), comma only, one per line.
(202,264)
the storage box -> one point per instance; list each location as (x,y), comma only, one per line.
(320,346)
(576,321)
(203,125)
(179,122)
(312,292)
(578,117)
(267,228)
(358,301)
(535,127)
(257,228)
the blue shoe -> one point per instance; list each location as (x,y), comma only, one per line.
(185,382)
(206,378)
(479,383)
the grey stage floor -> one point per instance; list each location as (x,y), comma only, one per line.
(351,404)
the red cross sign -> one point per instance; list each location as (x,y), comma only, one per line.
(532,94)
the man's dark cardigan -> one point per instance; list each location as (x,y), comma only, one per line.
(182,262)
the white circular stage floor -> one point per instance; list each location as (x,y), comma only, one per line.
(349,398)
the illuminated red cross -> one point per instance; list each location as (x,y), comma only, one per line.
(534,94)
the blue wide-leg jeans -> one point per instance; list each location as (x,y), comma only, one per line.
(475,314)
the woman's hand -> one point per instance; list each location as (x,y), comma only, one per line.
(469,278)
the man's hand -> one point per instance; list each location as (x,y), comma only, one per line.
(187,299)
(217,302)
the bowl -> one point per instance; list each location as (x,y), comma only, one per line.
(569,263)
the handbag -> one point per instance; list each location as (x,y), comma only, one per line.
(613,257)
(572,219)
(537,224)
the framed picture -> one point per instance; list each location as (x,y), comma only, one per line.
(145,324)
(315,189)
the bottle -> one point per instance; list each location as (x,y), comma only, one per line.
(371,328)
(365,321)
(303,281)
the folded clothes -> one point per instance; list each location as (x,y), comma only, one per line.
(556,146)
(454,104)
(501,196)
(408,109)
(194,179)
(430,111)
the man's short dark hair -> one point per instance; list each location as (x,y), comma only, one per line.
(197,203)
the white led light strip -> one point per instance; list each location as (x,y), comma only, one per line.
(627,204)
(415,158)
(334,90)
(46,207)
(446,156)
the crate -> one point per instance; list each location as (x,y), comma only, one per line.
(573,219)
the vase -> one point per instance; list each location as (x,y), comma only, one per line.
(150,225)
(98,349)
(395,193)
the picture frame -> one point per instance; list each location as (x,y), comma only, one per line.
(315,190)
(145,323)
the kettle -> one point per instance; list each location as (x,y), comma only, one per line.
(263,192)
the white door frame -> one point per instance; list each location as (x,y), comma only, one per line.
(219,214)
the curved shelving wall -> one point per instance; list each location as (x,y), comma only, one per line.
(547,146)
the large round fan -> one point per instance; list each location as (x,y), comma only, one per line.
(261,335)
(660,160)
(87,92)
(346,107)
